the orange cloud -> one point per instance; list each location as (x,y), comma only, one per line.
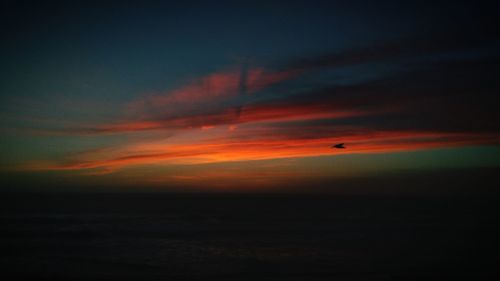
(226,149)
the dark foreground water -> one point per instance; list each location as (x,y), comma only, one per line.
(247,237)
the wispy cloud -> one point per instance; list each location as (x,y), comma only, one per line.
(246,147)
(212,88)
(264,115)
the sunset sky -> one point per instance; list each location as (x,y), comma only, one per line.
(244,95)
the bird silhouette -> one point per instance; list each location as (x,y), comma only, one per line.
(339,145)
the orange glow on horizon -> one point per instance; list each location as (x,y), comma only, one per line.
(227,150)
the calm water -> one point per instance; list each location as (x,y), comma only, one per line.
(247,237)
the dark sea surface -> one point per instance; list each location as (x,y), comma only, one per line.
(126,236)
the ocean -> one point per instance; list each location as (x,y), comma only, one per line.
(160,236)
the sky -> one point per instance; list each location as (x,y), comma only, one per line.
(234,95)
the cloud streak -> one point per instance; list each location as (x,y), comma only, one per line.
(269,146)
(430,104)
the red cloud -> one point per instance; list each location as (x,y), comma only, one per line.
(262,112)
(214,87)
